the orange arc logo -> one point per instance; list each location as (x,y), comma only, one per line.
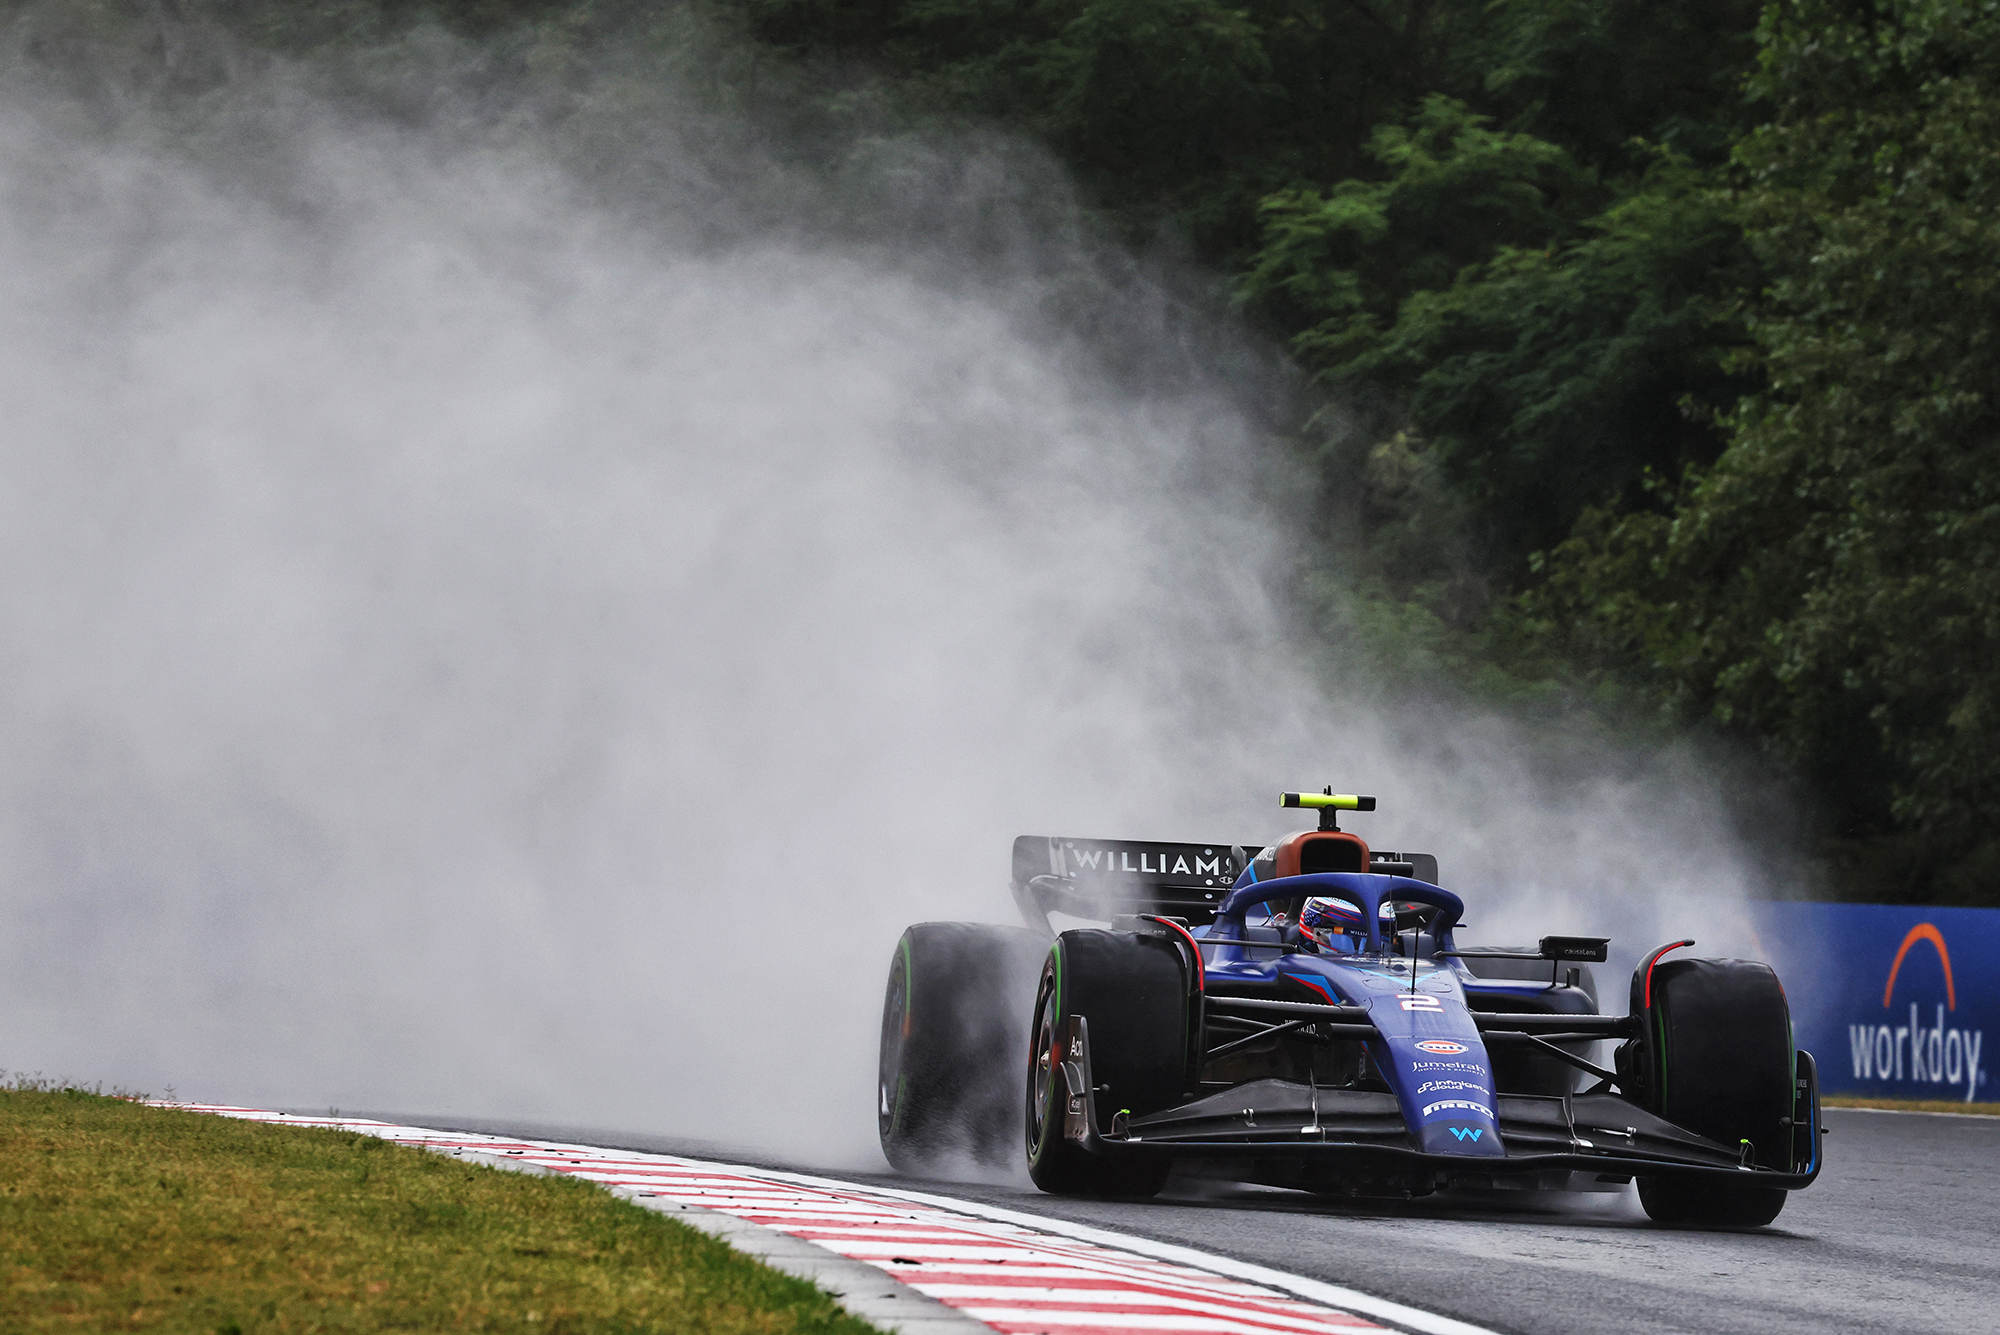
(1923,931)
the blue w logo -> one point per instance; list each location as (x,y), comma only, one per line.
(1467,1132)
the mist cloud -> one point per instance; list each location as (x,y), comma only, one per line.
(487,634)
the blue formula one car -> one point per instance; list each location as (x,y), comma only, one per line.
(1300,1015)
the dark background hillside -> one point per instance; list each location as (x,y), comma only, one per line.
(1650,341)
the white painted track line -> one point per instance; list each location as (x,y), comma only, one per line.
(1913,1112)
(1007,1270)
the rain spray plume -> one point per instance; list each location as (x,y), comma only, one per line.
(440,510)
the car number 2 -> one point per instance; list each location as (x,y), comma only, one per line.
(1420,1001)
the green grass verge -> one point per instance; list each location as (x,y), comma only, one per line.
(1912,1105)
(116,1216)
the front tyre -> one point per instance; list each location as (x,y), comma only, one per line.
(1131,992)
(1723,1066)
(1712,1204)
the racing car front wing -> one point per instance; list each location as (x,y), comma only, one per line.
(1599,1134)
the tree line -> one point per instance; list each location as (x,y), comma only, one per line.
(1657,340)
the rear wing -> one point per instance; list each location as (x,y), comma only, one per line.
(1100,879)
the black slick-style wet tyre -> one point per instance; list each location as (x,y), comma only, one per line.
(1713,1204)
(1131,992)
(1723,1066)
(954,1022)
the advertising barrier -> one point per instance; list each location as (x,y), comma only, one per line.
(1894,1001)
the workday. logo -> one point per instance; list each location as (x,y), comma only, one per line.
(1936,1054)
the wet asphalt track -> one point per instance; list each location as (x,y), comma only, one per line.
(1900,1234)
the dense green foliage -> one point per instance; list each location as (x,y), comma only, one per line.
(1650,337)
(1655,334)
(1832,583)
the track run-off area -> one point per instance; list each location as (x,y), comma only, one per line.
(1900,1234)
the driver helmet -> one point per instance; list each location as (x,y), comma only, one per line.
(1329,920)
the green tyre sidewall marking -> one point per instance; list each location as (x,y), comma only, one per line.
(1660,1047)
(1057,951)
(902,1079)
(909,1007)
(1046,1107)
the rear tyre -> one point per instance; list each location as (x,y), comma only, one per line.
(1528,1070)
(952,1034)
(1529,965)
(1723,1067)
(1132,994)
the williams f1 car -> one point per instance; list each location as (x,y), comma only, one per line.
(1301,1015)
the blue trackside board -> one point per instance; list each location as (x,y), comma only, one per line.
(1896,1001)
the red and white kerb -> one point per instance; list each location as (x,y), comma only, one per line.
(1010,1277)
